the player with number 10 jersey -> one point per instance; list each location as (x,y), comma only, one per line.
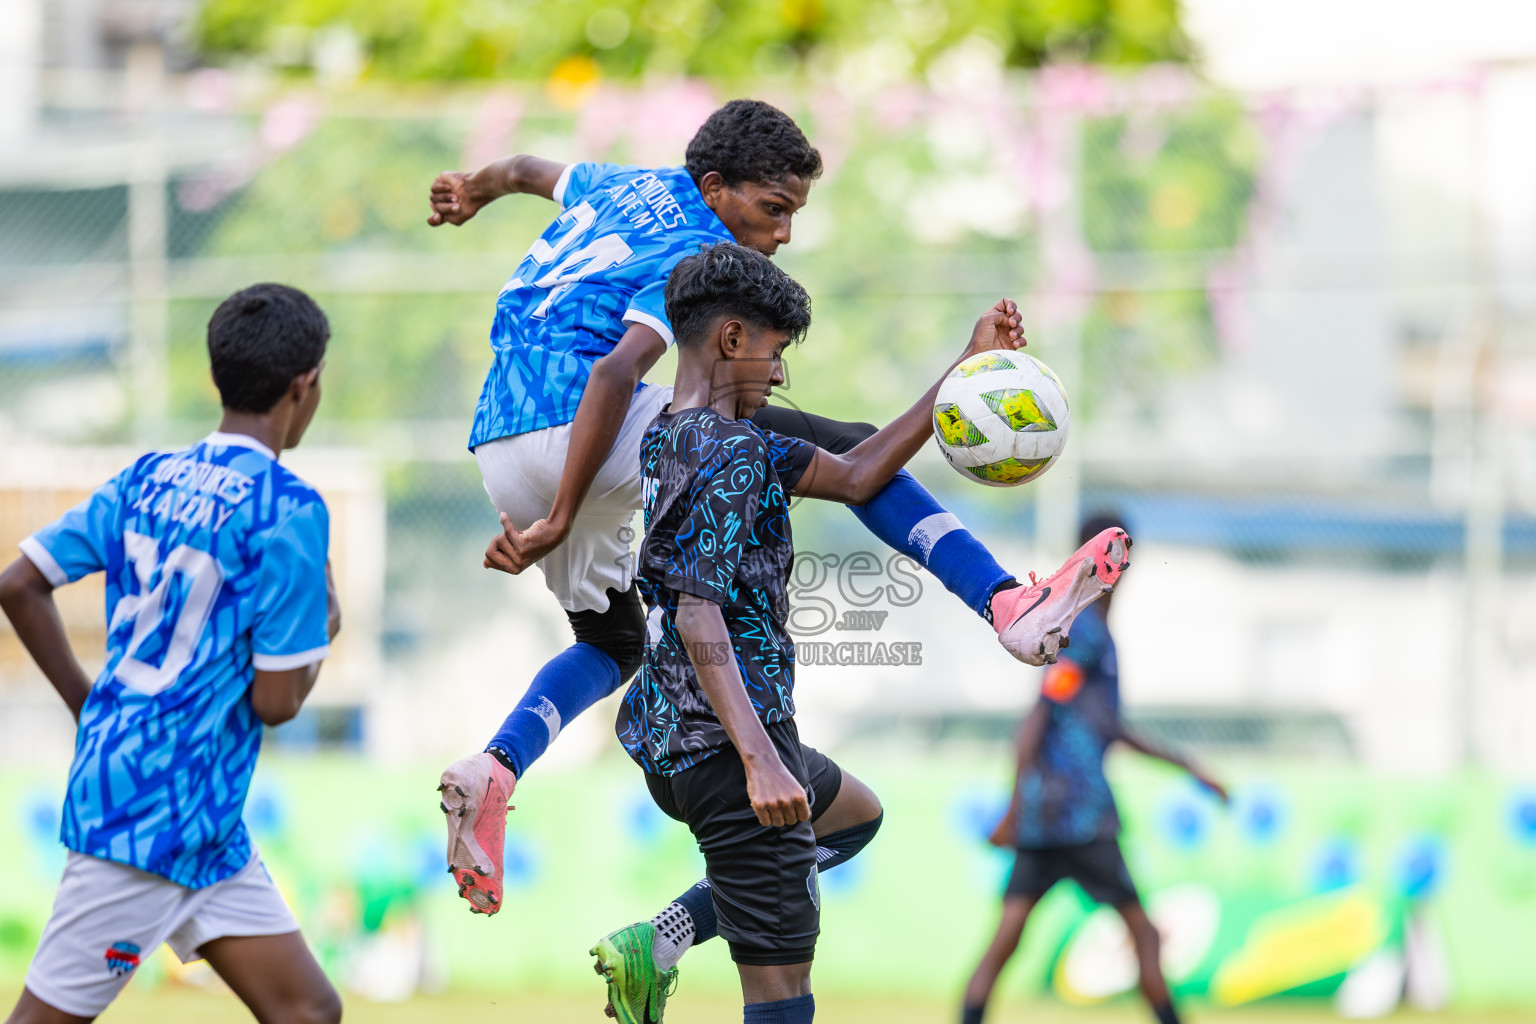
(215,566)
(219,611)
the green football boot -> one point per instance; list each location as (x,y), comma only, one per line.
(637,989)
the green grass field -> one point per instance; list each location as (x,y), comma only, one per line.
(173,1006)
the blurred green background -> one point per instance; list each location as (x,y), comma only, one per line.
(1296,316)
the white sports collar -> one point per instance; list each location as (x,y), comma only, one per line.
(219,437)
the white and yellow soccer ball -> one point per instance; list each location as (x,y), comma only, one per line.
(1001,417)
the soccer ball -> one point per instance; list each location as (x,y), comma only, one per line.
(1001,418)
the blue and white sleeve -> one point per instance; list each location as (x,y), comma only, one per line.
(577,180)
(649,305)
(291,625)
(75,545)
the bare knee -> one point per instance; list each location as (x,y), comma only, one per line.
(32,1010)
(998,953)
(329,1010)
(1004,946)
(1009,930)
(855,804)
(319,1008)
(770,984)
(1145,937)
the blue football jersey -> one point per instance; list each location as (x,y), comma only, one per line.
(215,561)
(601,265)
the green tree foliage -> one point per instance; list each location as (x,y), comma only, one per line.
(720,39)
(1167,192)
(359,185)
(1168,181)
(915,229)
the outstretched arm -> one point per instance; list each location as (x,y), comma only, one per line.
(599,418)
(777,796)
(858,476)
(1136,741)
(457,196)
(26,596)
(1026,749)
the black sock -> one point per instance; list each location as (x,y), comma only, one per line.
(700,903)
(1166,1014)
(837,848)
(799,1010)
(506,762)
(972,1014)
(1008,584)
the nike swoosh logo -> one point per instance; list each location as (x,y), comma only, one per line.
(1043,595)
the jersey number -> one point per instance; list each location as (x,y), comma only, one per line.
(146,609)
(593,258)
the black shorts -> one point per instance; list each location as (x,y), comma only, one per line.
(763,878)
(1097,866)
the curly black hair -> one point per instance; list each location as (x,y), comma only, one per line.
(726,279)
(749,140)
(259,340)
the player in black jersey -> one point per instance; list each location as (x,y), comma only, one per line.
(1062,819)
(711,719)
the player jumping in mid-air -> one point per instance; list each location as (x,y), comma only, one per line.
(1062,818)
(711,720)
(219,611)
(558,425)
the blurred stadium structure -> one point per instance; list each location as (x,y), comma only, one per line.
(1297,327)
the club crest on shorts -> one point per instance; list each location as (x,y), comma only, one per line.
(122,957)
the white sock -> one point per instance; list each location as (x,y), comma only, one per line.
(674,934)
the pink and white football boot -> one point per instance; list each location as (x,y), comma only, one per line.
(474,800)
(1033,622)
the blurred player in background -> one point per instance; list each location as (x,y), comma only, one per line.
(220,609)
(558,426)
(1062,818)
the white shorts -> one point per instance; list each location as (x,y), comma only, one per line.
(521,475)
(107,917)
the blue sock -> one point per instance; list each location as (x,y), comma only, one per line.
(799,1010)
(572,681)
(906,517)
